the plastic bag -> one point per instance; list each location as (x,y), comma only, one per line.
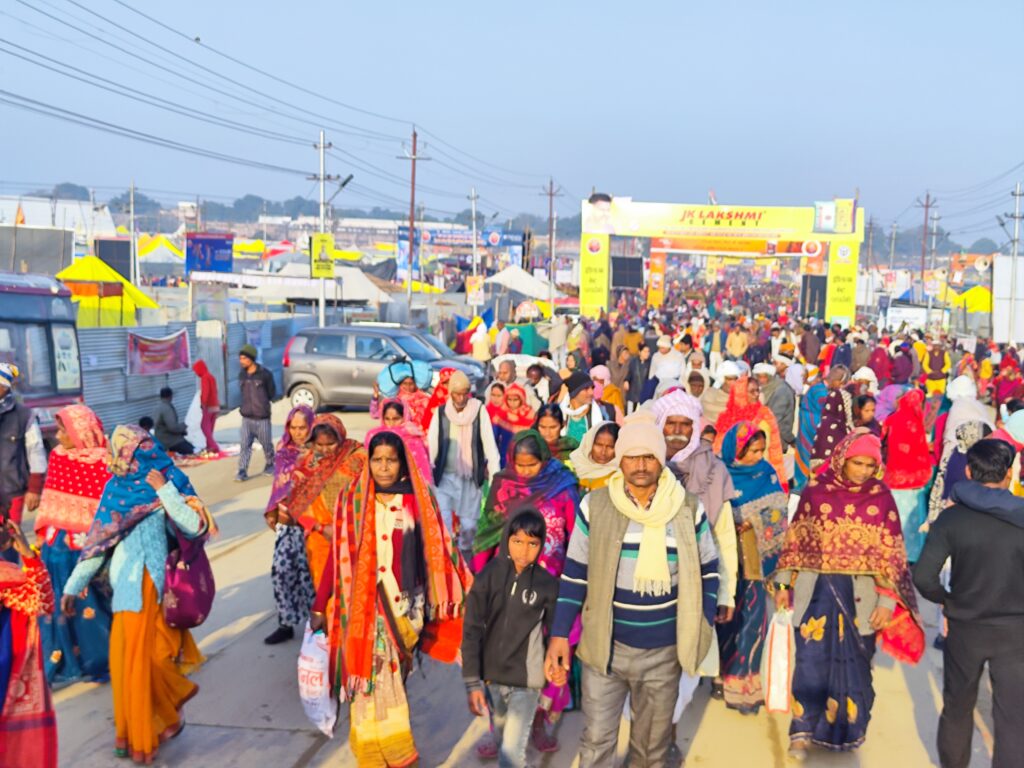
(393,374)
(777,661)
(314,681)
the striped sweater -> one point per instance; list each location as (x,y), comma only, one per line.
(639,621)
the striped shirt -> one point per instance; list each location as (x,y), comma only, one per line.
(639,621)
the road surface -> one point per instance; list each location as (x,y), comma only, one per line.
(248,713)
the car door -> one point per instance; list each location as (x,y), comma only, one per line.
(372,353)
(328,355)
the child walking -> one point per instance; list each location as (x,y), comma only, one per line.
(509,611)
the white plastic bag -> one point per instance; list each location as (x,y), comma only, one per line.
(194,422)
(314,681)
(777,660)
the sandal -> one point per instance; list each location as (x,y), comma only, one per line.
(798,750)
(487,747)
(717,691)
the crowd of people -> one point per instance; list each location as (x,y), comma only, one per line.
(598,530)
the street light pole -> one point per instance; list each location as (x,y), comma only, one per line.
(473,197)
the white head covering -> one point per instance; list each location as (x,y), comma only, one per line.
(866,374)
(727,370)
(680,403)
(795,378)
(962,386)
(766,369)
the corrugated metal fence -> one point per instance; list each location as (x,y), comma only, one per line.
(121,399)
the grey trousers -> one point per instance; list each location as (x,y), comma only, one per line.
(651,679)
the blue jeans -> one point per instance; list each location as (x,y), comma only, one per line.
(512,711)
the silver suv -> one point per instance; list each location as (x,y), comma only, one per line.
(338,366)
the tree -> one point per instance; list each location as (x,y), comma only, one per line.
(984,245)
(63,191)
(143,203)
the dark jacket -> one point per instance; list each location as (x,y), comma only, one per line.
(258,392)
(983,534)
(507,618)
(14,479)
(168,429)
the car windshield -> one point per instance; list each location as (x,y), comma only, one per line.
(416,349)
(437,344)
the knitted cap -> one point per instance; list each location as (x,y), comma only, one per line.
(640,436)
(249,351)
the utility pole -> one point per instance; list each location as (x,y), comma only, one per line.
(1013,262)
(133,268)
(870,255)
(412,158)
(928,204)
(264,225)
(323,178)
(892,247)
(551,193)
(935,234)
(551,272)
(473,197)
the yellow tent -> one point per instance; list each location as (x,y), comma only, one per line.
(976,299)
(104,297)
(150,244)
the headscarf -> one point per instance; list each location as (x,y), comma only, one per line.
(967,434)
(314,475)
(795,378)
(555,483)
(880,363)
(128,499)
(836,423)
(600,374)
(846,529)
(760,499)
(679,403)
(286,455)
(75,477)
(431,563)
(583,465)
(868,375)
(439,395)
(520,418)
(909,462)
(740,408)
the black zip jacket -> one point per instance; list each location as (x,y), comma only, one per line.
(507,618)
(258,392)
(983,534)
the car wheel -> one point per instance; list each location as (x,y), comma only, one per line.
(304,394)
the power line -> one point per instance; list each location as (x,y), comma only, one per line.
(982,184)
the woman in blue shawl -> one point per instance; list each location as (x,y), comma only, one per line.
(759,510)
(812,404)
(148,659)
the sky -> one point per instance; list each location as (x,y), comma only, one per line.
(765,103)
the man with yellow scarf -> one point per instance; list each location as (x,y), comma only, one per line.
(642,569)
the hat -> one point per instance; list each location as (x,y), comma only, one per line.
(640,436)
(8,373)
(459,382)
(249,351)
(577,382)
(781,359)
(764,369)
(601,372)
(664,341)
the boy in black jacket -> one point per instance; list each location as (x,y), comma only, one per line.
(509,611)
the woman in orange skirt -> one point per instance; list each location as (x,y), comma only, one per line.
(148,659)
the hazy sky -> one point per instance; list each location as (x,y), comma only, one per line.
(766,103)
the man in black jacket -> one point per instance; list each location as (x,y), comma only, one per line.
(983,535)
(258,392)
(509,611)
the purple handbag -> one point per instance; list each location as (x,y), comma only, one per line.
(188,583)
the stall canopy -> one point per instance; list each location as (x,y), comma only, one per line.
(104,298)
(517,279)
(159,256)
(976,299)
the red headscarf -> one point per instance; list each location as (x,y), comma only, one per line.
(909,463)
(741,408)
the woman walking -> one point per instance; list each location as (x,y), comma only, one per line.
(745,405)
(549,425)
(289,570)
(73,647)
(394,585)
(812,405)
(845,565)
(909,467)
(148,659)
(594,461)
(760,512)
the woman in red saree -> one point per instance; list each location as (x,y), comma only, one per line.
(393,585)
(28,727)
(745,405)
(845,567)
(909,467)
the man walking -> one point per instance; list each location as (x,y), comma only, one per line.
(983,535)
(22,453)
(258,392)
(643,572)
(464,455)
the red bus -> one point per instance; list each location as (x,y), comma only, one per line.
(38,334)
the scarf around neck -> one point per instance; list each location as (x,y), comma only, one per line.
(652,575)
(463,423)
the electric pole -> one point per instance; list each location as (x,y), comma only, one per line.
(935,234)
(892,247)
(323,178)
(928,204)
(870,255)
(412,158)
(551,194)
(1015,246)
(473,197)
(133,268)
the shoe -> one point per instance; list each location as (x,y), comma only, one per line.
(717,691)
(798,750)
(487,747)
(543,741)
(675,756)
(280,635)
(269,471)
(241,477)
(939,642)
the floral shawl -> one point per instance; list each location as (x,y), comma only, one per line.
(841,528)
(76,477)
(760,500)
(356,613)
(553,492)
(836,423)
(741,409)
(128,499)
(318,481)
(286,456)
(880,363)
(909,463)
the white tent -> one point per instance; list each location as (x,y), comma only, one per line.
(517,279)
(293,282)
